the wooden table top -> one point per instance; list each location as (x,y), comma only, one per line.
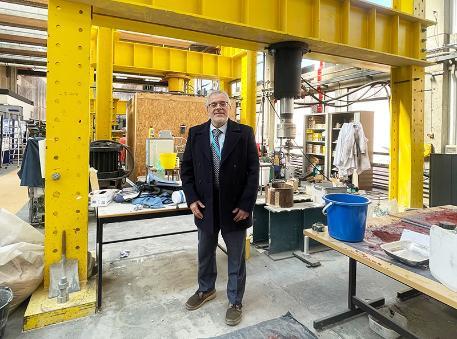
(398,271)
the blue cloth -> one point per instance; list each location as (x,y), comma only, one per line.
(152,178)
(30,172)
(153,201)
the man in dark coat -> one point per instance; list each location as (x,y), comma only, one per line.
(220,175)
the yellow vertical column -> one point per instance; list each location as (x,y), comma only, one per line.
(248,88)
(407,136)
(403,5)
(176,85)
(92,104)
(67,159)
(225,86)
(104,84)
(407,121)
(177,82)
(189,88)
(67,133)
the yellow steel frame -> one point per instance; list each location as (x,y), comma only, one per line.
(338,28)
(407,124)
(67,156)
(176,84)
(130,57)
(104,87)
(225,86)
(248,88)
(333,27)
(407,136)
(119,107)
(140,58)
(67,133)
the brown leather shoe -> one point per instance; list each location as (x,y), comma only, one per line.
(233,315)
(199,298)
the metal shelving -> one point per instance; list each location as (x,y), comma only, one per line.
(12,135)
(325,139)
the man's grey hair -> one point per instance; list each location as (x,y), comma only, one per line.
(208,97)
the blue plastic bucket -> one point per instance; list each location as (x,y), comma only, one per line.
(346,216)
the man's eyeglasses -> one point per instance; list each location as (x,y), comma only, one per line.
(223,104)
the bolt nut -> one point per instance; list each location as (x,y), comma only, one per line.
(55,176)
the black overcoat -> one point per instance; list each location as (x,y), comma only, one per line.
(238,175)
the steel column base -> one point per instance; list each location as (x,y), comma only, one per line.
(335,318)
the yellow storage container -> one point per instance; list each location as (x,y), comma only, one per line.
(168,160)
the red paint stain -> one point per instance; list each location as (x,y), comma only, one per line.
(446,215)
(386,236)
(376,235)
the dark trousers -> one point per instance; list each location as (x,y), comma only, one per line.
(207,269)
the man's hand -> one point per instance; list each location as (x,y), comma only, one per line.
(194,207)
(240,214)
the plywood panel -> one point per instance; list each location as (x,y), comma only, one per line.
(161,112)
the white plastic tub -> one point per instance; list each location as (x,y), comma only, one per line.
(443,256)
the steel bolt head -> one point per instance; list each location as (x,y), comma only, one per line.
(55,176)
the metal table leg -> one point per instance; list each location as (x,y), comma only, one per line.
(99,263)
(358,306)
(352,309)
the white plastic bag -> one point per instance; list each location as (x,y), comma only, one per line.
(21,257)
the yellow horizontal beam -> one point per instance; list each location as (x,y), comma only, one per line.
(232,52)
(154,40)
(330,27)
(130,57)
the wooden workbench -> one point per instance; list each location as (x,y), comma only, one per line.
(428,286)
(419,279)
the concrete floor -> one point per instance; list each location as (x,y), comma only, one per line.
(144,294)
(12,196)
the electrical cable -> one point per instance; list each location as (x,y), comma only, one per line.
(127,173)
(355,101)
(371,83)
(320,92)
(351,102)
(327,102)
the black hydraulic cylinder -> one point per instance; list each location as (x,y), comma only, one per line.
(287,72)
